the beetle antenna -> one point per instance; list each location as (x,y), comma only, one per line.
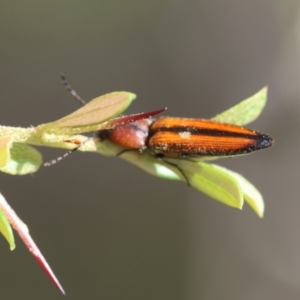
(59,158)
(81,101)
(71,90)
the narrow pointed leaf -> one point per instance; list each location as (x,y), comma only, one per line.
(6,231)
(251,195)
(132,118)
(92,115)
(246,111)
(24,159)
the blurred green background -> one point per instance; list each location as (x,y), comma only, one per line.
(110,231)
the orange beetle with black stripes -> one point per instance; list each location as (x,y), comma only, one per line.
(180,137)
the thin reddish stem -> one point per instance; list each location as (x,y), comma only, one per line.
(22,230)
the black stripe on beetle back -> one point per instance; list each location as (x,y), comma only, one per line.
(207,132)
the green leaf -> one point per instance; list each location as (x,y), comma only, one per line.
(7,217)
(6,231)
(246,111)
(206,178)
(24,160)
(5,144)
(151,165)
(92,116)
(251,194)
(212,181)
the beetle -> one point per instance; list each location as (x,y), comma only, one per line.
(182,137)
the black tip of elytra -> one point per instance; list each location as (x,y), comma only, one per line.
(264,141)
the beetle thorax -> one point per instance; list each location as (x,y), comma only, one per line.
(132,135)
